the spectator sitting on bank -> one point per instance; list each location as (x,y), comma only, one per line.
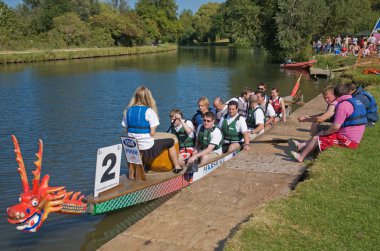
(346,131)
(365,52)
(344,51)
(368,100)
(316,119)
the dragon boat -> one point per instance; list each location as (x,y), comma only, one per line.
(137,187)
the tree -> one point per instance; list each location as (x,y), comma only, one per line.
(202,21)
(188,32)
(241,22)
(160,17)
(71,29)
(9,26)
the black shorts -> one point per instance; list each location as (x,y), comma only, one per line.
(158,147)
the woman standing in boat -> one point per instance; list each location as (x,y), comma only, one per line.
(141,120)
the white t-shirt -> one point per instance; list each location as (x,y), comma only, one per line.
(241,124)
(259,119)
(189,124)
(270,110)
(145,141)
(216,138)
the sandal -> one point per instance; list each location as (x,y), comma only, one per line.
(293,155)
(293,145)
(177,170)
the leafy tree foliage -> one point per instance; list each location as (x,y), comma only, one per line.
(160,17)
(202,22)
(9,25)
(188,31)
(241,22)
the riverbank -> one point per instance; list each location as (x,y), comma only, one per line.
(7,57)
(335,208)
(202,216)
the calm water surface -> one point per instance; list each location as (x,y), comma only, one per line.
(76,107)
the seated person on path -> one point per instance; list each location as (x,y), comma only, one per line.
(278,105)
(368,100)
(204,106)
(184,130)
(329,97)
(220,107)
(140,121)
(234,129)
(267,108)
(208,140)
(243,101)
(346,131)
(255,119)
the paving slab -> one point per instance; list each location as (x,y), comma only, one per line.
(204,215)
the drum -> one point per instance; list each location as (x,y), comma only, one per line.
(162,163)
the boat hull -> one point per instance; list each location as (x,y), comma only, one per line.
(299,65)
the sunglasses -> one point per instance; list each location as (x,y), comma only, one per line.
(260,89)
(207,120)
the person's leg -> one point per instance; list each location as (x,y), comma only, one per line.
(310,146)
(314,129)
(234,147)
(206,158)
(174,157)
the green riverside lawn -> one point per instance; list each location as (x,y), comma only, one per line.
(77,53)
(337,207)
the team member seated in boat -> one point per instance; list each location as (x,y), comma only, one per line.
(262,87)
(204,106)
(184,130)
(347,129)
(140,122)
(368,100)
(267,108)
(208,140)
(316,119)
(255,119)
(278,105)
(234,129)
(243,101)
(220,107)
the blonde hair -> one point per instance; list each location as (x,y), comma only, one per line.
(204,100)
(142,96)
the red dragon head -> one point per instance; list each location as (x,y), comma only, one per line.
(36,204)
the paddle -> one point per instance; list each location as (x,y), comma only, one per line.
(275,140)
(296,86)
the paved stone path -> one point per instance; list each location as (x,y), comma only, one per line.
(202,217)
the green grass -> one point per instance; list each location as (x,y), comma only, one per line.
(65,54)
(332,61)
(336,208)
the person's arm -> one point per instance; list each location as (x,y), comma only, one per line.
(308,118)
(283,110)
(332,129)
(186,127)
(208,150)
(246,140)
(259,128)
(328,114)
(269,120)
(152,131)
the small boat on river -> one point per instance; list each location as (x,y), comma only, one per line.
(116,192)
(299,65)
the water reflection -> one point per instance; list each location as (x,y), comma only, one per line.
(76,107)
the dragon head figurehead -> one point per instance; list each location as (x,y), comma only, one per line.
(35,204)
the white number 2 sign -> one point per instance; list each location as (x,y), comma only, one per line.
(107,168)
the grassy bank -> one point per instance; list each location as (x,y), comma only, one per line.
(64,54)
(335,208)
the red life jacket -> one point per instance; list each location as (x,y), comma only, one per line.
(277,105)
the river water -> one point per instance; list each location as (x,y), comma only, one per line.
(76,107)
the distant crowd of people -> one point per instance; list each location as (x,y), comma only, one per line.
(367,46)
(212,131)
(349,110)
